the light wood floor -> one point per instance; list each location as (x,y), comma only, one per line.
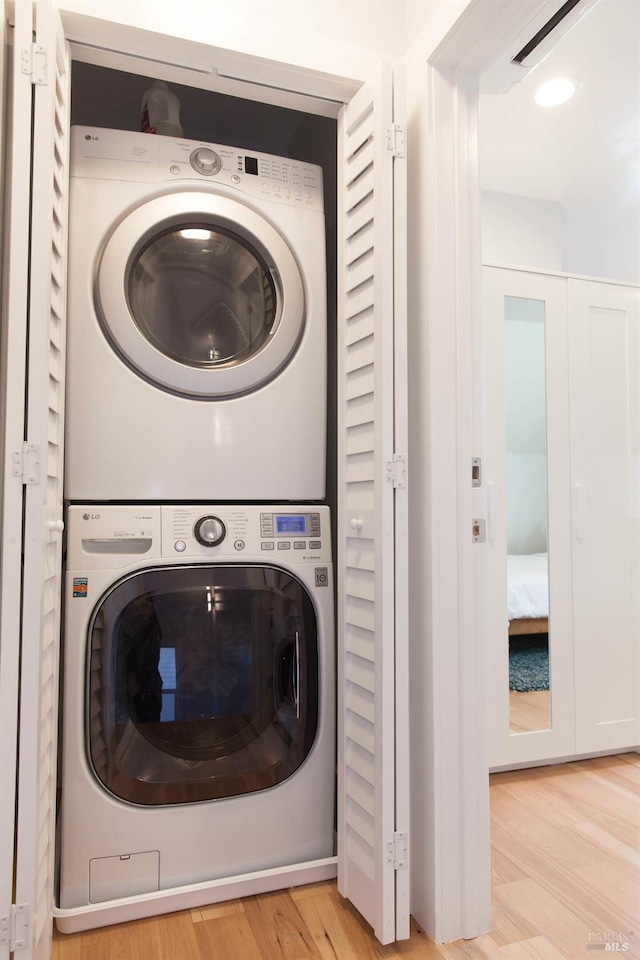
(529,711)
(565,867)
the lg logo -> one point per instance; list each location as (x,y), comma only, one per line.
(88,136)
(90,516)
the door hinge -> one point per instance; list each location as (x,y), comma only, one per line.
(35,63)
(15,927)
(397,850)
(25,463)
(395,137)
(397,470)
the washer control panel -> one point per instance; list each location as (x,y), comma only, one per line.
(299,534)
(104,154)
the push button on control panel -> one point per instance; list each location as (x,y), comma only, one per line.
(299,544)
(267,546)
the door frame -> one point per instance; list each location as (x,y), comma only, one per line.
(110,44)
(451,881)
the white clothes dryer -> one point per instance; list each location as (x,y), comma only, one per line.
(196,322)
(198,719)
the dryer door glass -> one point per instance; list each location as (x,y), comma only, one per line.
(202,296)
(202,684)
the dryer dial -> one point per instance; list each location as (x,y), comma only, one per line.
(205,161)
(209,531)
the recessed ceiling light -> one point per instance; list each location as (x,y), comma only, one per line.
(558,90)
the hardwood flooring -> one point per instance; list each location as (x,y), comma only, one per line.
(565,874)
(529,711)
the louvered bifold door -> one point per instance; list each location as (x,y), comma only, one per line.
(372,843)
(43,500)
(17,102)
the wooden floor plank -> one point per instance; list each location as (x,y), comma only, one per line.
(507,926)
(227,938)
(530,710)
(556,923)
(279,928)
(216,910)
(565,866)
(504,869)
(336,932)
(538,948)
(561,879)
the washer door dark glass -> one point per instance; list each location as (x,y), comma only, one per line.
(200,295)
(202,683)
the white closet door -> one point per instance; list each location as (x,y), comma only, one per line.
(15,285)
(14,345)
(538,468)
(43,498)
(372,539)
(604,332)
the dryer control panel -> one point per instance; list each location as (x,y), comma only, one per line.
(101,153)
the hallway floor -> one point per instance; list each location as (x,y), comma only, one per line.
(565,874)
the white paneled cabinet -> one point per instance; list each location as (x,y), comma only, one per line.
(591,335)
(604,377)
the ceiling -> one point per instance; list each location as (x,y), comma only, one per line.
(587,149)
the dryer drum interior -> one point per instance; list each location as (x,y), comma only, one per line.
(202,296)
(202,683)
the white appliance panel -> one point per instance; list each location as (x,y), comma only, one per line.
(290,822)
(140,424)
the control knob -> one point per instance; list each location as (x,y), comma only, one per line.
(209,531)
(205,161)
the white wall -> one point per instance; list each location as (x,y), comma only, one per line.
(521,231)
(343,37)
(602,240)
(595,239)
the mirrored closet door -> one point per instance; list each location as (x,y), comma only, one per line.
(562,449)
(528,609)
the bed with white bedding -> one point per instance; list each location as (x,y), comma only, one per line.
(528,593)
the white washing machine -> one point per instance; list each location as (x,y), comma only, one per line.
(198,725)
(196,322)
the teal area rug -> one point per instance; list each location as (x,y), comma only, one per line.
(529,663)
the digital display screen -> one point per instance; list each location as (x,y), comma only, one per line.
(251,165)
(290,524)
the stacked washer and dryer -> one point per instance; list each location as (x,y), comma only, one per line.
(198,726)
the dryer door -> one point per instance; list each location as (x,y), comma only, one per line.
(200,295)
(202,683)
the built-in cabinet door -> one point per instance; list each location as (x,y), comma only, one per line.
(373,786)
(528,617)
(42,466)
(562,381)
(16,103)
(604,338)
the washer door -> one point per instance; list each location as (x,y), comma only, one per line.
(202,683)
(200,295)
